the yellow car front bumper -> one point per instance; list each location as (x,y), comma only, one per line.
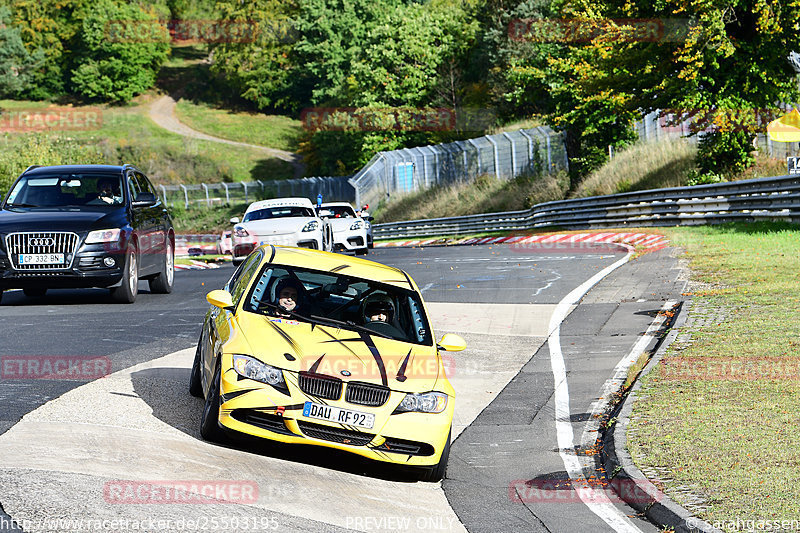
(257,409)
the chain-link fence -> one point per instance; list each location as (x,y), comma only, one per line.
(331,188)
(660,125)
(505,155)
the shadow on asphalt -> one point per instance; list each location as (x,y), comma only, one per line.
(166,392)
(63,297)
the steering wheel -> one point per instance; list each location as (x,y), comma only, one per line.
(384,328)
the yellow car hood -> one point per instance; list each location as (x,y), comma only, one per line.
(341,353)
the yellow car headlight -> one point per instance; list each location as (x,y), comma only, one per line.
(251,368)
(429,402)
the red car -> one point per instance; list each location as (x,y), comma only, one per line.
(225,244)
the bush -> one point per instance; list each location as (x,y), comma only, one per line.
(18,153)
(704,178)
(121,48)
(725,152)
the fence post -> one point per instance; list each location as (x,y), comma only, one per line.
(513,155)
(460,144)
(164,192)
(496,156)
(244,184)
(185,195)
(227,196)
(424,166)
(208,200)
(478,152)
(530,149)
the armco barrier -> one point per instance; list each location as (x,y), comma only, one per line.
(775,198)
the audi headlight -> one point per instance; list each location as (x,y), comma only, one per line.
(239,231)
(429,402)
(356,225)
(311,226)
(103,235)
(251,368)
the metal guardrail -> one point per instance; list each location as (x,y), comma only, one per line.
(746,200)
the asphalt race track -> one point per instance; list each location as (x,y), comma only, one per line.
(510,466)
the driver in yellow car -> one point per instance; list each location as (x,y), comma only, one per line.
(380,310)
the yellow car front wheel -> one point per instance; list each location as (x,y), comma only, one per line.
(209,424)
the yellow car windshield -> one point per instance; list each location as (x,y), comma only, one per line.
(362,305)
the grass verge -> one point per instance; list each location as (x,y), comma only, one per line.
(642,166)
(719,429)
(201,219)
(273,131)
(486,194)
(127,135)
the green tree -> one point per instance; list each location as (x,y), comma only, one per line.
(259,66)
(722,60)
(46,25)
(120,50)
(17,65)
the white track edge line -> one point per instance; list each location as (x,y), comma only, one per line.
(605,510)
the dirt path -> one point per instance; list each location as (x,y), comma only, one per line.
(162,111)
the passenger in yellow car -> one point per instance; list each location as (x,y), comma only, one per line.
(289,296)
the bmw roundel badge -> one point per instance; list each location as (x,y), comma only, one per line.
(345,373)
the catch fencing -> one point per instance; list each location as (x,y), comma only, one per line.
(747,200)
(210,194)
(659,126)
(505,155)
(532,151)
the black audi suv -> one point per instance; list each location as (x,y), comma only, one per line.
(76,226)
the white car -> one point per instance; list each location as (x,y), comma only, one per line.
(282,221)
(349,229)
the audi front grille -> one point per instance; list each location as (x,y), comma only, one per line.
(46,242)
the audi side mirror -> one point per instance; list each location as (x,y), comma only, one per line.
(144,199)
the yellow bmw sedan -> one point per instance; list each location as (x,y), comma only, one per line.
(309,347)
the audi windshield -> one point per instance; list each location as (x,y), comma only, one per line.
(66,190)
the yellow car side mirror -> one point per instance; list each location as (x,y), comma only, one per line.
(220,298)
(452,343)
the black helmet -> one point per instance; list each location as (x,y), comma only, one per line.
(379,303)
